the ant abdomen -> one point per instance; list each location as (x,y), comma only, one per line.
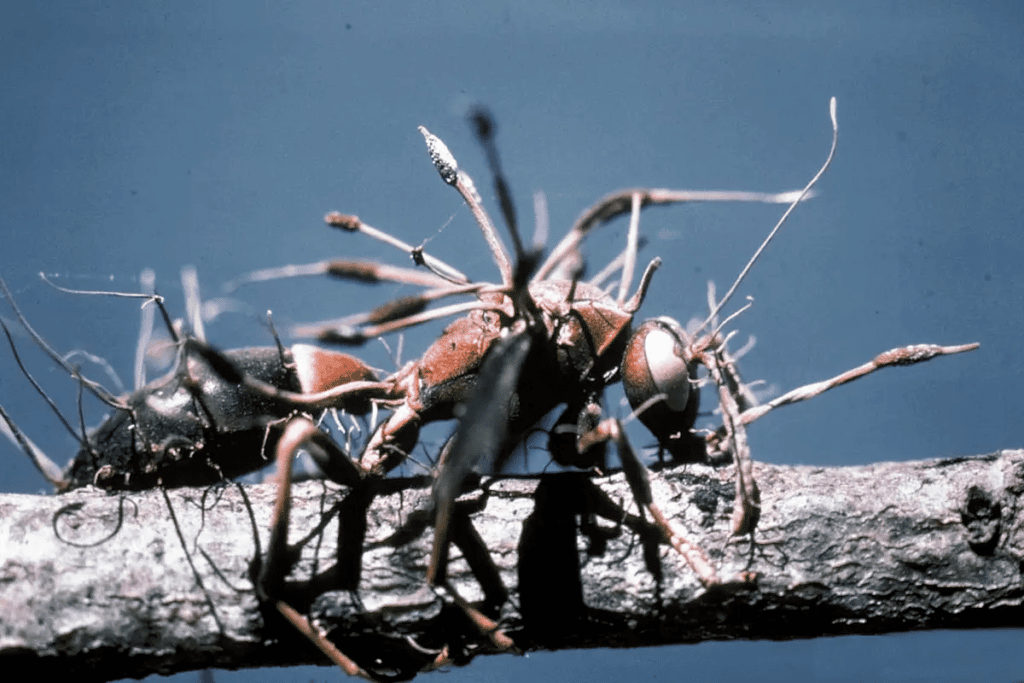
(189,428)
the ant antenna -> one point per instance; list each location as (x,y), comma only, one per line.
(92,292)
(828,162)
(150,298)
(95,388)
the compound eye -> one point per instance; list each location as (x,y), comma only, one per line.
(668,368)
(654,364)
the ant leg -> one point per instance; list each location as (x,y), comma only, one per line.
(485,128)
(481,434)
(47,467)
(465,536)
(711,351)
(639,482)
(460,531)
(748,496)
(484,624)
(331,459)
(303,626)
(298,432)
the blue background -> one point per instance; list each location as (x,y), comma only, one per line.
(140,135)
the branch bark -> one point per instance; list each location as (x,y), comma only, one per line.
(103,585)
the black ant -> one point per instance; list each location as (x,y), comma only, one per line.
(200,423)
(214,416)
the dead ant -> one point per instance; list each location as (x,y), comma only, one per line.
(211,418)
(200,423)
(543,338)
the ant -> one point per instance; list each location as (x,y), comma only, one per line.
(542,338)
(200,423)
(214,416)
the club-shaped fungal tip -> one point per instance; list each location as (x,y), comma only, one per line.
(443,160)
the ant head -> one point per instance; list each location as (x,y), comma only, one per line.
(659,374)
(657,362)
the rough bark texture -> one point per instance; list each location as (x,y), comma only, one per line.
(102,585)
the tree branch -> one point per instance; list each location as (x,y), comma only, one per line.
(102,585)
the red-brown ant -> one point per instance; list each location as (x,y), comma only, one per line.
(541,338)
